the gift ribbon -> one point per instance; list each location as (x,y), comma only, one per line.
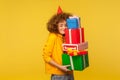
(70,36)
(71,63)
(80,35)
(84,63)
(72,52)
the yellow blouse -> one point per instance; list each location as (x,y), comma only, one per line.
(53,51)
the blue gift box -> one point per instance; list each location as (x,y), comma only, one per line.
(72,23)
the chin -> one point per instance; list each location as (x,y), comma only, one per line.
(63,33)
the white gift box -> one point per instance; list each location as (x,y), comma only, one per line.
(81,46)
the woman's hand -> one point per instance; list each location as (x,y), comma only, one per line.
(64,68)
(61,67)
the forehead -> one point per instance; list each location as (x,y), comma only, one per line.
(62,21)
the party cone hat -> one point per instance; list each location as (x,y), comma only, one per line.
(59,11)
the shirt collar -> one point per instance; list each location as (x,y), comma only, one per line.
(59,35)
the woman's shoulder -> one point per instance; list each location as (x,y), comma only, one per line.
(52,35)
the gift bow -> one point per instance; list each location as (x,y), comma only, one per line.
(72,52)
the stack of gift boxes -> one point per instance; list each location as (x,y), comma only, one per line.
(75,47)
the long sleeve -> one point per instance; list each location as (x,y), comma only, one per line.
(48,47)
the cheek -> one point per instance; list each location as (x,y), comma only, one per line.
(60,28)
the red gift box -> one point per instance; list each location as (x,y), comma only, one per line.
(82,52)
(74,36)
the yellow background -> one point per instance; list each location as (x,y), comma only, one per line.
(23,34)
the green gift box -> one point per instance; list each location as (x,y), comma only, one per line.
(79,62)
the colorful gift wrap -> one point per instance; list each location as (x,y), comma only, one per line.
(79,47)
(77,63)
(78,18)
(74,36)
(74,52)
(72,23)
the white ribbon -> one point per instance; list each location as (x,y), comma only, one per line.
(70,36)
(80,35)
(84,63)
(71,61)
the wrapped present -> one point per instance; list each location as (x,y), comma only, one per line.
(74,36)
(78,18)
(72,23)
(78,63)
(78,47)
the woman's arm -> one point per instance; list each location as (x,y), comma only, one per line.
(61,67)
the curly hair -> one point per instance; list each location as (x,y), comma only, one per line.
(52,25)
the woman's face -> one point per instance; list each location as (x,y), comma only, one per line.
(61,27)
